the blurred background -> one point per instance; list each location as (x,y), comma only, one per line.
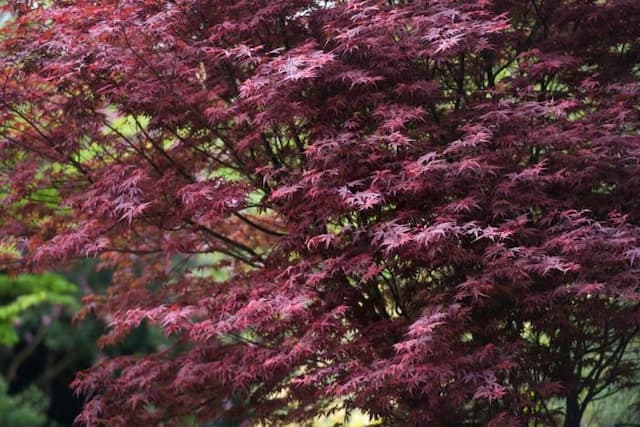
(41,348)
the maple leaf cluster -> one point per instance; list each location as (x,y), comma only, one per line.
(425,210)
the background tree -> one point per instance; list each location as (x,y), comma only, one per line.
(24,410)
(44,348)
(424,210)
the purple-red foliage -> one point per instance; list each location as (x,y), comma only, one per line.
(423,209)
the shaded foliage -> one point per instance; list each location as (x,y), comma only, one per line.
(25,410)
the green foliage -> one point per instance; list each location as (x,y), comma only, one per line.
(19,294)
(51,348)
(622,408)
(26,409)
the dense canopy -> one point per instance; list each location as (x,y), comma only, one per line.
(423,209)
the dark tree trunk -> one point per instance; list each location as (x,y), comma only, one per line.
(573,414)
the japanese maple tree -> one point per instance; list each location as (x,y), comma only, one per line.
(426,210)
